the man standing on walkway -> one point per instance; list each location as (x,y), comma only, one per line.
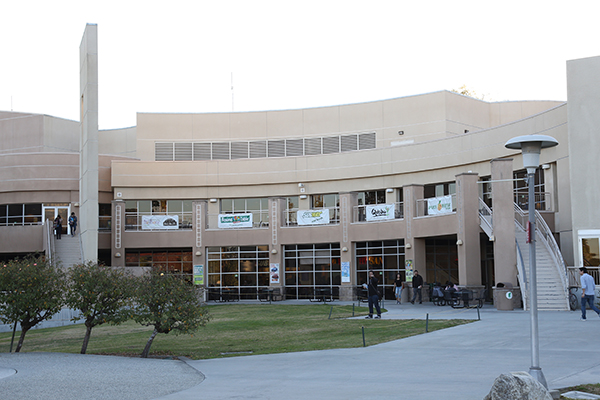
(417,284)
(373,295)
(588,289)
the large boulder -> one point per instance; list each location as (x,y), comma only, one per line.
(517,386)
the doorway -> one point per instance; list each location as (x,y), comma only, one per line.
(51,211)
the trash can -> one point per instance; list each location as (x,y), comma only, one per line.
(503,297)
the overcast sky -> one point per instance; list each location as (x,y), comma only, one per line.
(180,56)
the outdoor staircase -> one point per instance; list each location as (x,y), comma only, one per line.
(67,250)
(552,293)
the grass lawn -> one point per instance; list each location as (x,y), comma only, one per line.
(235,329)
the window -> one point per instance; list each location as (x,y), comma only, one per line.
(292,206)
(243,269)
(20,214)
(173,261)
(104,217)
(521,190)
(310,267)
(258,207)
(385,258)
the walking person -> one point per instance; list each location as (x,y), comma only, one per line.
(58,226)
(588,290)
(398,286)
(417,284)
(73,223)
(373,295)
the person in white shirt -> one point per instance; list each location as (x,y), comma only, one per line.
(588,290)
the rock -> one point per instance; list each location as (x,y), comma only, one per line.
(517,386)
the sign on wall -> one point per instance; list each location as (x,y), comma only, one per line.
(160,222)
(439,205)
(408,266)
(380,212)
(198,274)
(345,271)
(274,271)
(313,217)
(235,220)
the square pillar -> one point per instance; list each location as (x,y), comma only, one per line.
(467,213)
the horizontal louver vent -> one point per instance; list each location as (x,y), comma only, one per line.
(183,151)
(163,151)
(258,149)
(294,147)
(349,142)
(239,150)
(367,141)
(203,151)
(220,151)
(331,145)
(276,148)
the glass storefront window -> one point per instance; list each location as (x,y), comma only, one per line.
(311,268)
(384,258)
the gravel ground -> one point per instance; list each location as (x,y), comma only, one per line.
(80,376)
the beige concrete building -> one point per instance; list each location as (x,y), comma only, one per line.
(306,201)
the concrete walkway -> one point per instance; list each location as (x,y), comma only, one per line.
(456,363)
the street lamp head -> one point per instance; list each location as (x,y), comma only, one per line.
(531,146)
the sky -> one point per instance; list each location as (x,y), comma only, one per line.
(222,55)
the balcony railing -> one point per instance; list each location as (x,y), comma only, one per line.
(133,221)
(423,211)
(291,217)
(260,220)
(371,213)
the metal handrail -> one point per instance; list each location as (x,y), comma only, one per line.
(50,239)
(573,275)
(421,207)
(485,211)
(522,273)
(359,212)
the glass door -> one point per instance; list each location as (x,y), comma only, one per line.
(52,211)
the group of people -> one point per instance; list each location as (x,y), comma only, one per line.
(58,224)
(373,293)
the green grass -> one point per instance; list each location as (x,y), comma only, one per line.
(240,329)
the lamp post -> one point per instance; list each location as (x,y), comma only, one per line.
(531,146)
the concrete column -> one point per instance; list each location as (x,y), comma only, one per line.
(347,203)
(503,222)
(467,212)
(276,207)
(88,155)
(414,248)
(117,230)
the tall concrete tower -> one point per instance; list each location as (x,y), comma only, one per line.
(88,152)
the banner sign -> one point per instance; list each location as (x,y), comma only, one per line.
(439,205)
(345,271)
(381,212)
(235,220)
(408,267)
(313,217)
(198,274)
(274,270)
(160,222)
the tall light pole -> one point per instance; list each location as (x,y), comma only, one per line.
(531,146)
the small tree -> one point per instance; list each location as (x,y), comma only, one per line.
(168,303)
(102,294)
(31,291)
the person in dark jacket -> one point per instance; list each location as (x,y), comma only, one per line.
(417,284)
(373,294)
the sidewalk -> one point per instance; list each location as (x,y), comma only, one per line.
(457,363)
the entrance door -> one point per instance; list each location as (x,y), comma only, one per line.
(52,211)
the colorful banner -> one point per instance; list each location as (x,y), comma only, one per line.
(380,212)
(439,205)
(408,266)
(160,222)
(345,271)
(198,274)
(274,270)
(313,217)
(235,221)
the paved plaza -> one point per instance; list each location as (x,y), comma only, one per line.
(457,363)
